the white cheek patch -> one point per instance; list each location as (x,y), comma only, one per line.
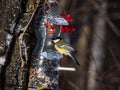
(55,41)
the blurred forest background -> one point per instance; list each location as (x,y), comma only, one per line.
(96,40)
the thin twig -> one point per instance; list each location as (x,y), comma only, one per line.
(44,6)
(114,28)
(24,30)
(57,2)
(114,58)
(22,61)
(26,27)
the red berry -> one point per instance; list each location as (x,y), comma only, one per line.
(63,29)
(70,20)
(73,29)
(68,16)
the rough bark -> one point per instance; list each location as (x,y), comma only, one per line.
(104,76)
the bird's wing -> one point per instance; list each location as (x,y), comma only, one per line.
(74,58)
(64,45)
(67,47)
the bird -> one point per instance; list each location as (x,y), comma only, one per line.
(64,48)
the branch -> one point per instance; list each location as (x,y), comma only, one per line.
(24,30)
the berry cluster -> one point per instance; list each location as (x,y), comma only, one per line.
(68,29)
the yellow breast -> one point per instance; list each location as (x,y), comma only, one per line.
(62,51)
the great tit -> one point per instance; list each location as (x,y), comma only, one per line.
(64,48)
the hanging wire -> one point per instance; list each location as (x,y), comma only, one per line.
(44,39)
(60,31)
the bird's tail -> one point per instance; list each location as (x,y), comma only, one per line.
(74,58)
